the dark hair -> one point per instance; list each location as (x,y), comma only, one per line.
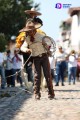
(38,20)
(73,52)
(35,19)
(8,51)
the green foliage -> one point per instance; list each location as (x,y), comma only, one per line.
(64,26)
(3,42)
(12,16)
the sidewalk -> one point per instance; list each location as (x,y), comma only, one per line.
(65,106)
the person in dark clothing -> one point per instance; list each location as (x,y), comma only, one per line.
(28,66)
(8,69)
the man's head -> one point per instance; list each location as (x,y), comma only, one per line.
(8,52)
(73,52)
(30,27)
(60,48)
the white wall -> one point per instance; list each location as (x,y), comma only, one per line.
(75,32)
(79,30)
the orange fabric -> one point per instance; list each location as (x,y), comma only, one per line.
(40,31)
(19,39)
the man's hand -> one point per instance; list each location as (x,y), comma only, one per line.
(29,51)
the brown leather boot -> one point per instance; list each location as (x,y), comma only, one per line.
(37,96)
(51,96)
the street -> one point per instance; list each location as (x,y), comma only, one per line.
(23,106)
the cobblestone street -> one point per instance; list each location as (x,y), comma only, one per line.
(23,106)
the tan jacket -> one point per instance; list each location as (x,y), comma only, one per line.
(36,46)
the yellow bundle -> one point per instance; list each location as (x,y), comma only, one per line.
(20,38)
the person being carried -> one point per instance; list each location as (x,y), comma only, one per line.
(21,38)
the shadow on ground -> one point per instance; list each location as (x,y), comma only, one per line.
(12,105)
(67,90)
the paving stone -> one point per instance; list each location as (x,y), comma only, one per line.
(23,106)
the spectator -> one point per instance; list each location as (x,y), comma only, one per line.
(8,69)
(2,70)
(60,65)
(72,66)
(51,60)
(17,64)
(78,66)
(28,66)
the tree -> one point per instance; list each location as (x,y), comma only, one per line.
(12,16)
(3,42)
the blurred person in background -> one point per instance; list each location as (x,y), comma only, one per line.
(17,61)
(8,69)
(72,66)
(60,65)
(51,60)
(2,70)
(78,67)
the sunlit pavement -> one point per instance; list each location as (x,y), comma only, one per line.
(23,106)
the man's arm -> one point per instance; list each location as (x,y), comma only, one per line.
(24,48)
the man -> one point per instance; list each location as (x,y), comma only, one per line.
(33,44)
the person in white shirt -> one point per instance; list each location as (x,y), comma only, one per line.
(51,60)
(78,67)
(17,64)
(8,69)
(72,66)
(60,65)
(2,71)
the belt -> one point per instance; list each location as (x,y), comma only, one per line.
(40,55)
